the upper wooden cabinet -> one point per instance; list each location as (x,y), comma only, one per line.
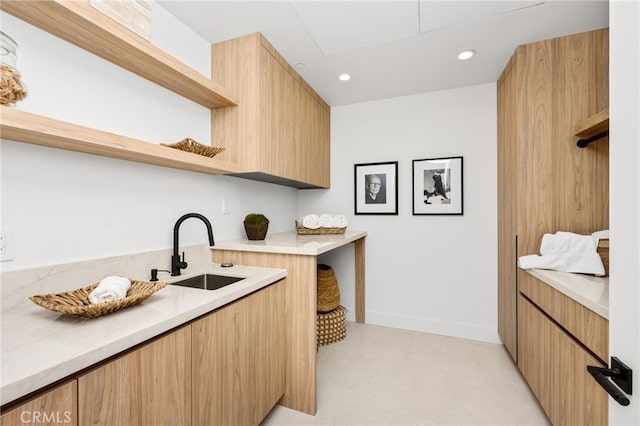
(546,183)
(279,132)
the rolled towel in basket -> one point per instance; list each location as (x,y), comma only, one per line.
(110,289)
(340,221)
(311,221)
(326,221)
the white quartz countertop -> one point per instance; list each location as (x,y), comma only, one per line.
(40,346)
(291,243)
(590,291)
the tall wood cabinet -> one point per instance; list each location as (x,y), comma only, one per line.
(279,132)
(546,183)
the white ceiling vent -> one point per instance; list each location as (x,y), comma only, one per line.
(339,26)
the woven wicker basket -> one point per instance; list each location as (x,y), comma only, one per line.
(331,327)
(301,230)
(190,145)
(327,288)
(77,302)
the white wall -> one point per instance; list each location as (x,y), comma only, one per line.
(624,292)
(64,206)
(435,274)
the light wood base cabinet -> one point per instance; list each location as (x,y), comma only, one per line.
(279,132)
(238,360)
(555,366)
(54,407)
(149,386)
(300,321)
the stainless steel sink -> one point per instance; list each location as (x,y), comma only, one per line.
(207,281)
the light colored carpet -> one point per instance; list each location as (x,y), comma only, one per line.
(387,376)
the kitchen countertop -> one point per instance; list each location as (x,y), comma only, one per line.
(590,291)
(40,346)
(292,243)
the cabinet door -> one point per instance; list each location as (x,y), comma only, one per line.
(507,208)
(239,360)
(281,127)
(149,386)
(53,407)
(555,366)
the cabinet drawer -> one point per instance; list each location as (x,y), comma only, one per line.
(585,325)
(555,366)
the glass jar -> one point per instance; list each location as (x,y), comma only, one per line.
(8,51)
(12,89)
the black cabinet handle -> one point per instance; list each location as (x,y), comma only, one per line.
(621,375)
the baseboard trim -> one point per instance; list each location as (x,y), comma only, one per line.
(425,325)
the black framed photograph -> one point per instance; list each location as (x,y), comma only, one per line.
(376,188)
(437,186)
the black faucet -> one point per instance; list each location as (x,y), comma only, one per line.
(176,263)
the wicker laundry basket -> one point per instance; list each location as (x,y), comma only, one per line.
(331,327)
(327,288)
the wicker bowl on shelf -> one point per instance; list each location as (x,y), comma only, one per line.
(77,302)
(195,147)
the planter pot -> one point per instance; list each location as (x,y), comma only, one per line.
(256,232)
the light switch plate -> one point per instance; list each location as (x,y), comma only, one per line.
(6,245)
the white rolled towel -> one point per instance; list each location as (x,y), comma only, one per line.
(340,221)
(326,221)
(311,221)
(110,289)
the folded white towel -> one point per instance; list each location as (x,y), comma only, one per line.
(566,252)
(110,289)
(340,221)
(325,220)
(598,235)
(311,221)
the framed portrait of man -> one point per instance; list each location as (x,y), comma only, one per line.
(376,188)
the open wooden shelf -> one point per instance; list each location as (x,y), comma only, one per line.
(594,125)
(31,128)
(80,24)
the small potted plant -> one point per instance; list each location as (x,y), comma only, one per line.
(256,225)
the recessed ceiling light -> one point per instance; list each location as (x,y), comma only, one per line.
(344,77)
(300,65)
(467,54)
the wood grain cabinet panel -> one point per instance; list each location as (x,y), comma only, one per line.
(149,386)
(300,321)
(545,183)
(279,132)
(238,360)
(53,407)
(586,326)
(555,366)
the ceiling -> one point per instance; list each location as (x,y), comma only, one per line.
(395,47)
